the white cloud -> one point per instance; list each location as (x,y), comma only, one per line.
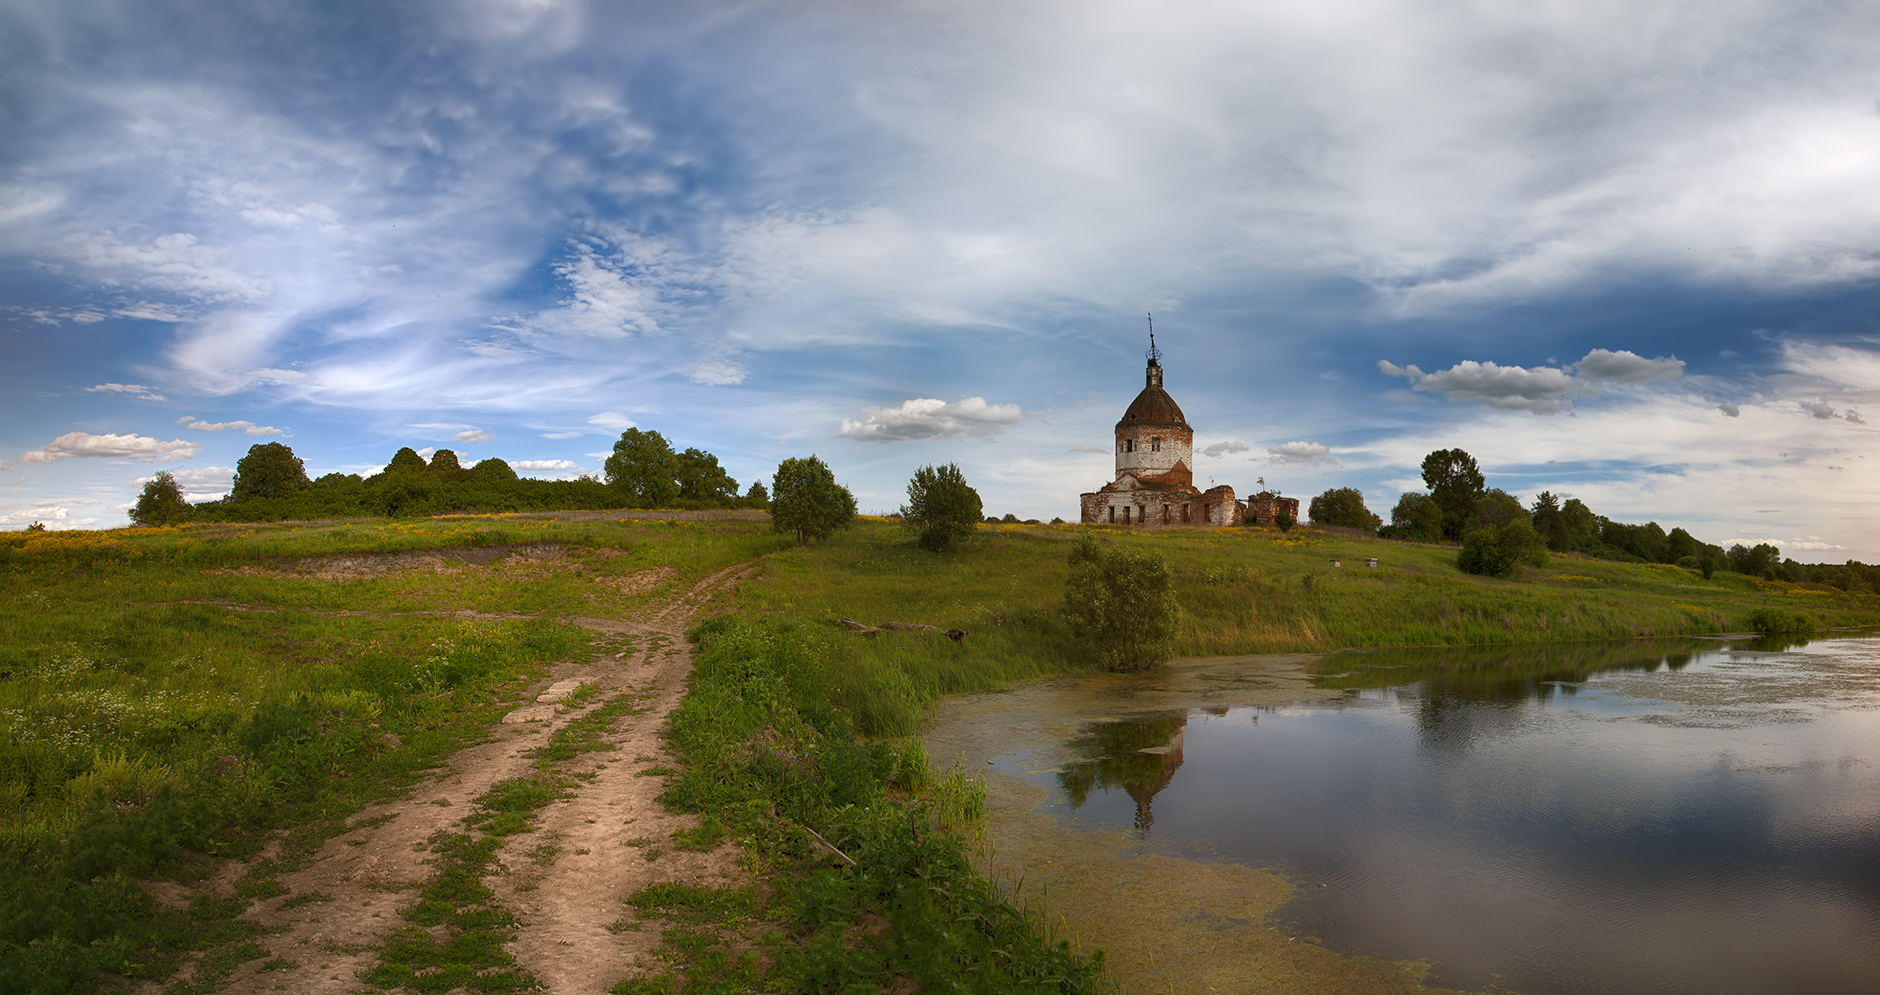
(472,435)
(177,263)
(612,419)
(84,445)
(427,452)
(199,483)
(138,391)
(1088,449)
(545,464)
(561,435)
(1303,453)
(1541,390)
(932,418)
(719,372)
(1220,449)
(1628,367)
(247,427)
(47,512)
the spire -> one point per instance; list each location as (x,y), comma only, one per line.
(1153,375)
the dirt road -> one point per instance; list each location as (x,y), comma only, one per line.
(564,880)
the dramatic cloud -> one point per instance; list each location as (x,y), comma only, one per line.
(544,464)
(1542,390)
(1628,367)
(138,391)
(1302,453)
(931,418)
(84,445)
(1220,449)
(247,427)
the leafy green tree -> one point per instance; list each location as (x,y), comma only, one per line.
(1549,522)
(1416,518)
(444,463)
(406,460)
(807,502)
(941,508)
(1343,506)
(1681,545)
(1121,603)
(161,502)
(1497,508)
(644,466)
(270,470)
(1498,550)
(758,495)
(1455,484)
(700,478)
(493,470)
(1582,524)
(1756,561)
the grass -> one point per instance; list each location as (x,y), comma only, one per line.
(1241,591)
(172,697)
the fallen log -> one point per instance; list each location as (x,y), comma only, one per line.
(957,635)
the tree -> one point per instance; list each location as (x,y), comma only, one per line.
(493,470)
(1497,508)
(1550,522)
(645,467)
(270,470)
(406,460)
(941,507)
(758,495)
(1753,560)
(1416,518)
(700,478)
(1455,484)
(1121,603)
(807,502)
(1680,545)
(1497,550)
(1582,524)
(444,463)
(161,503)
(1343,506)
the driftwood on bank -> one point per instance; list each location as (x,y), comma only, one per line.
(957,635)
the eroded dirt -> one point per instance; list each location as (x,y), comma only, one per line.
(565,880)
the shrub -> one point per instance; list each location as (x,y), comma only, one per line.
(161,503)
(1122,604)
(941,507)
(1777,620)
(1497,551)
(1343,506)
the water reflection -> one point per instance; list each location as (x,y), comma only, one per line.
(1704,813)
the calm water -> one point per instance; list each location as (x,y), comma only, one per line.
(1689,817)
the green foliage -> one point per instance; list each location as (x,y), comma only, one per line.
(492,471)
(1756,561)
(758,496)
(1343,506)
(1121,604)
(1417,518)
(444,463)
(1496,509)
(644,468)
(1498,550)
(406,460)
(941,508)
(1771,619)
(270,470)
(161,502)
(1550,522)
(808,503)
(700,478)
(1455,484)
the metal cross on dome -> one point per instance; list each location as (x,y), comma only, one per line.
(1155,355)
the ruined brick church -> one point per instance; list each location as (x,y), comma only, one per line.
(1155,479)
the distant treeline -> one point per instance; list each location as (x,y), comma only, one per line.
(1460,503)
(271,484)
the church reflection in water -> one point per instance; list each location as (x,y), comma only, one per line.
(1139,755)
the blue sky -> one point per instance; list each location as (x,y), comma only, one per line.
(1628,252)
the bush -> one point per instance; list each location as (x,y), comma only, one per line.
(1122,604)
(808,502)
(941,508)
(1777,620)
(161,503)
(1343,506)
(1497,551)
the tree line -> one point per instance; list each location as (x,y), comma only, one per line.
(1496,531)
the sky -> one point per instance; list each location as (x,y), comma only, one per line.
(1622,251)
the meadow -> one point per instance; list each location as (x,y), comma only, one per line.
(173,697)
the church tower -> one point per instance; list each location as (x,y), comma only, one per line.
(1153,440)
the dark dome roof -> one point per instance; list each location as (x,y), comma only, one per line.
(1153,407)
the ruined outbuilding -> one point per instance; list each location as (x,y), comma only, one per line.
(1155,479)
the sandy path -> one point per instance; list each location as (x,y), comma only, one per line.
(605,834)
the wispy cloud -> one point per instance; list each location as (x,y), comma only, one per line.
(138,391)
(247,427)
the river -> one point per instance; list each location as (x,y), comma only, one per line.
(1654,816)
